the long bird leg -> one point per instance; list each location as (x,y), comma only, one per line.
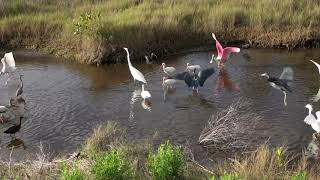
(285,98)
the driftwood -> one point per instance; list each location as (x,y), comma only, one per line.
(233,128)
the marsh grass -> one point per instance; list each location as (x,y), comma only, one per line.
(161,26)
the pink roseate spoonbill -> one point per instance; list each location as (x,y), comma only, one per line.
(169,71)
(190,68)
(136,74)
(311,120)
(282,83)
(196,79)
(223,53)
(144,93)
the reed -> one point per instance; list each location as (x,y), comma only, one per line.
(161,26)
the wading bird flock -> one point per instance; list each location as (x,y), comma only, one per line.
(195,76)
(15,108)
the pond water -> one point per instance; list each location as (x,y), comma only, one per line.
(66,101)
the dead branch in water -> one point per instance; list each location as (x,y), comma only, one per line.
(232,128)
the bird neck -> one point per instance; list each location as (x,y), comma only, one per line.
(128,58)
(142,87)
(310,110)
(20,121)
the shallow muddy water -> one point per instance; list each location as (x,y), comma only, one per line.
(66,101)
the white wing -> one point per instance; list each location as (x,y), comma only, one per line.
(137,75)
(318,66)
(318,116)
(310,119)
(287,74)
(8,57)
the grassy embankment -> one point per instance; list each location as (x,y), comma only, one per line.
(108,155)
(161,26)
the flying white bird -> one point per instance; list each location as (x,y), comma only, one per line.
(136,74)
(223,53)
(145,94)
(311,120)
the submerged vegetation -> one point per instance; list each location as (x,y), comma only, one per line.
(92,31)
(122,159)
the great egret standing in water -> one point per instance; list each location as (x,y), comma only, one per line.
(136,74)
(311,120)
(223,53)
(20,89)
(196,79)
(318,66)
(281,83)
(144,93)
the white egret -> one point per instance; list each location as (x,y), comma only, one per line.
(136,74)
(311,120)
(223,53)
(318,66)
(20,89)
(281,83)
(8,60)
(168,82)
(170,71)
(145,94)
(190,68)
(196,79)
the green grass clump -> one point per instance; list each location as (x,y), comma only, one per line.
(303,175)
(73,174)
(112,165)
(167,163)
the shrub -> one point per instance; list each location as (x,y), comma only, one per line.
(167,162)
(74,174)
(112,165)
(303,175)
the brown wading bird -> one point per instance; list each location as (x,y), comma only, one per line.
(20,89)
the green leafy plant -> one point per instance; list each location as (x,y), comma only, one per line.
(167,163)
(73,174)
(87,23)
(112,165)
(303,175)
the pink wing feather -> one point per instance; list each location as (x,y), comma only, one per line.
(219,47)
(226,53)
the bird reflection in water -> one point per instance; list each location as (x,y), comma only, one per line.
(134,98)
(146,104)
(224,82)
(16,143)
